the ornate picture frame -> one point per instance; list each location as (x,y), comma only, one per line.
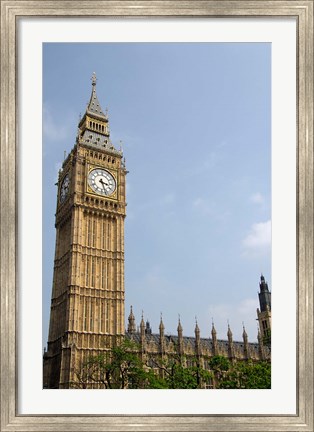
(11,12)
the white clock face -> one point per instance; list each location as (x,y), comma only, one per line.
(102,182)
(64,190)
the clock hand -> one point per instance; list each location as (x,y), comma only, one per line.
(103,184)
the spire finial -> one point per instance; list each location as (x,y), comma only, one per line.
(94,79)
(161,325)
(244,334)
(213,328)
(229,330)
(179,328)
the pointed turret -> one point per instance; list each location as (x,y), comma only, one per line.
(214,340)
(179,328)
(93,108)
(161,336)
(246,344)
(161,327)
(93,128)
(180,337)
(142,325)
(197,331)
(142,337)
(197,339)
(230,343)
(229,334)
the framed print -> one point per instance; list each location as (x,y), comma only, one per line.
(46,49)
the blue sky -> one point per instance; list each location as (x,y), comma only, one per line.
(195,124)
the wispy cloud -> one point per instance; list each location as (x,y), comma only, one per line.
(210,160)
(160,201)
(169,198)
(257,198)
(236,314)
(258,239)
(163,205)
(124,140)
(204,206)
(155,281)
(51,129)
(208,208)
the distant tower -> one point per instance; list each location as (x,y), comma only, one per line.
(131,325)
(264,312)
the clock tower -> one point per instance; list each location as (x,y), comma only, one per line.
(87,303)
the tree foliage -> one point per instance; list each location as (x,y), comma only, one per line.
(267,339)
(241,375)
(122,367)
(118,368)
(176,375)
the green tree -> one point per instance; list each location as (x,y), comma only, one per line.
(241,375)
(177,376)
(119,368)
(122,367)
(267,339)
(220,365)
(253,375)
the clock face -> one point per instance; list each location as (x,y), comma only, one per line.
(102,182)
(64,190)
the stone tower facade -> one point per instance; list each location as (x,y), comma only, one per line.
(87,303)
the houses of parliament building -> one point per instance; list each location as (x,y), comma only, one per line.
(87,304)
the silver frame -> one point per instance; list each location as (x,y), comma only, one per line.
(11,11)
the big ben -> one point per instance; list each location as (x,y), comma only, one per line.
(87,302)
